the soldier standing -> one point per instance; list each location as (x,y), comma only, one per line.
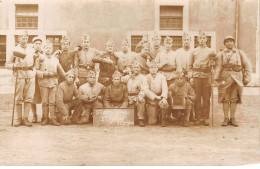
(125,57)
(166,61)
(134,82)
(116,94)
(47,71)
(156,92)
(201,73)
(37,44)
(92,91)
(22,62)
(64,99)
(108,62)
(156,46)
(84,60)
(65,56)
(234,70)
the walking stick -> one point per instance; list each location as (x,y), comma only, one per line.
(212,64)
(15,86)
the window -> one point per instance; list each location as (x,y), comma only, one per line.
(196,43)
(171,17)
(55,39)
(29,39)
(26,17)
(177,42)
(2,50)
(134,41)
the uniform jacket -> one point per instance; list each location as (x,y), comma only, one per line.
(87,90)
(231,58)
(182,56)
(124,59)
(116,96)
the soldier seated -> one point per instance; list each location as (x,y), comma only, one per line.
(116,94)
(93,91)
(65,102)
(181,96)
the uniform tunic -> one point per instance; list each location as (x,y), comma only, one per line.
(116,96)
(124,59)
(141,59)
(25,88)
(229,70)
(182,56)
(167,64)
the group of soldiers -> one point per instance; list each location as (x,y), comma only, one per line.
(159,83)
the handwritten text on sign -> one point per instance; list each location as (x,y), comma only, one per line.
(113,117)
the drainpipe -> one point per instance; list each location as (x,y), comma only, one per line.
(236,23)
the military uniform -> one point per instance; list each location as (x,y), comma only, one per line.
(182,56)
(135,89)
(156,86)
(87,90)
(124,60)
(179,92)
(47,72)
(232,69)
(65,102)
(201,73)
(25,88)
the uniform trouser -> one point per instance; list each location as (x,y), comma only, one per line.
(76,105)
(48,99)
(153,113)
(139,109)
(231,94)
(87,109)
(25,89)
(202,101)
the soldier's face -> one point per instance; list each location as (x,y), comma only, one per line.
(23,40)
(229,43)
(153,69)
(48,50)
(110,48)
(116,81)
(186,42)
(179,81)
(37,45)
(86,43)
(167,45)
(70,79)
(202,40)
(92,79)
(136,69)
(65,46)
(124,47)
(156,41)
(146,49)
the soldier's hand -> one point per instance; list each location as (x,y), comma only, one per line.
(140,98)
(57,52)
(246,81)
(191,81)
(65,118)
(158,97)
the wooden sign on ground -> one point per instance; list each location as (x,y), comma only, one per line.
(113,117)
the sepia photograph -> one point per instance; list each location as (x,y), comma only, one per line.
(129,83)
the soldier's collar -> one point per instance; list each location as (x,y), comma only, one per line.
(233,49)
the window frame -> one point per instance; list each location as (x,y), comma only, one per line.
(170,17)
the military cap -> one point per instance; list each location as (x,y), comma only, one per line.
(47,43)
(201,33)
(116,74)
(64,39)
(125,42)
(156,35)
(23,34)
(91,73)
(110,42)
(168,39)
(153,63)
(229,37)
(85,37)
(36,39)
(70,72)
(186,35)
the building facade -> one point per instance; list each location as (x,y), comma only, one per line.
(119,19)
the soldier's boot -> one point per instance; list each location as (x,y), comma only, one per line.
(33,107)
(233,122)
(27,107)
(19,121)
(164,119)
(225,122)
(84,116)
(141,123)
(206,122)
(186,117)
(45,114)
(53,119)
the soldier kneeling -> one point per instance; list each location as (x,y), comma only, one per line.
(181,97)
